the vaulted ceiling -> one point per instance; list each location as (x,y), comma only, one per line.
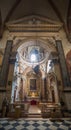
(55,10)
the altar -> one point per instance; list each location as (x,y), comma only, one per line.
(32,85)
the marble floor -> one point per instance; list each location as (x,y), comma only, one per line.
(34,124)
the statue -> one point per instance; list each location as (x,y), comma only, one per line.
(5,107)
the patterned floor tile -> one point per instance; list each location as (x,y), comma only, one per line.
(19,127)
(53,127)
(31,127)
(41,127)
(63,127)
(8,127)
(30,124)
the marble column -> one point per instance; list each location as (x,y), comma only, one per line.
(64,71)
(43,91)
(56,92)
(5,64)
(49,91)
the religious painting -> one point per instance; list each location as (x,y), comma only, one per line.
(32,84)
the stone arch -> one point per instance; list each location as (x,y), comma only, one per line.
(49,42)
(39,42)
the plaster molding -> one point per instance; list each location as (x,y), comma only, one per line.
(34,23)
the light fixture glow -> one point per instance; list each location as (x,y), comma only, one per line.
(33,58)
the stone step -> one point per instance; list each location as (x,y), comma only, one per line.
(34,115)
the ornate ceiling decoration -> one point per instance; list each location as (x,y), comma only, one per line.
(35,53)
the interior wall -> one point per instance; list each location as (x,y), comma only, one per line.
(68,100)
(44,36)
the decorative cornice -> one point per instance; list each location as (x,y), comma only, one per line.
(34,24)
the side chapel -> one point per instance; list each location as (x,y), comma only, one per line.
(35,66)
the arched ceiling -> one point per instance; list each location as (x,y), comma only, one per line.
(15,9)
(56,10)
(37,7)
